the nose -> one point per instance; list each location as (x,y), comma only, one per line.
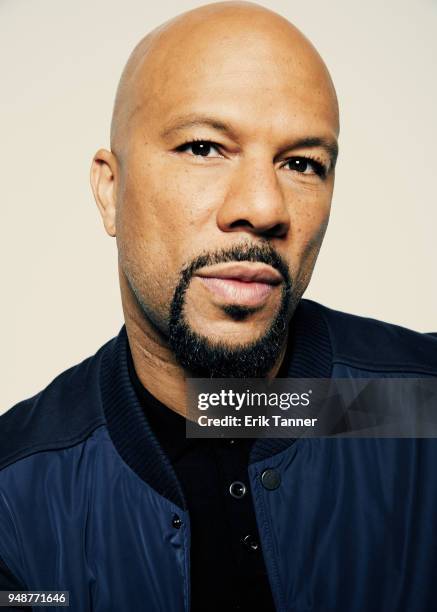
(254,201)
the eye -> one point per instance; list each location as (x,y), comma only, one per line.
(305,165)
(200,148)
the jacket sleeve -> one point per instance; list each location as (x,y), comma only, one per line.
(8,582)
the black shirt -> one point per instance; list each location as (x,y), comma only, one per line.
(227,565)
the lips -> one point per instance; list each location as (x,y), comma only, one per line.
(246,284)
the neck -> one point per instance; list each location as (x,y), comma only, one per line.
(154,362)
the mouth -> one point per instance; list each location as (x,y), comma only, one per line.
(243,283)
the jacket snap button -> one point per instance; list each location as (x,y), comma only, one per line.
(271,479)
(176,522)
(250,543)
(237,489)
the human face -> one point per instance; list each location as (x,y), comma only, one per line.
(233,150)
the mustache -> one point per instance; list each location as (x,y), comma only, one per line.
(243,252)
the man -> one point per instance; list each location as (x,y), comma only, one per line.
(218,188)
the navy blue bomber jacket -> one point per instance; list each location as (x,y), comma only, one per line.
(88,498)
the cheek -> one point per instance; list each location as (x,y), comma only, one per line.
(308,226)
(155,232)
(147,218)
(143,248)
(163,204)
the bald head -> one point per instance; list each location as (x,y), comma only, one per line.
(222,39)
(224,140)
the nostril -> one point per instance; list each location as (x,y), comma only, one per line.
(277,231)
(240,222)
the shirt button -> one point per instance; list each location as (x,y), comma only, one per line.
(176,521)
(250,543)
(237,489)
(271,479)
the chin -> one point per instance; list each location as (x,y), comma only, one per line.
(231,334)
(235,352)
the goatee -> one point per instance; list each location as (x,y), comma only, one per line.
(207,359)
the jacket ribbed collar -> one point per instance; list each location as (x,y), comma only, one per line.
(308,355)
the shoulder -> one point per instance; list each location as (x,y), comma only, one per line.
(61,415)
(376,345)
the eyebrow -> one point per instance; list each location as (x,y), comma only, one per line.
(189,121)
(196,121)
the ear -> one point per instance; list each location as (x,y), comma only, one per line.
(102,177)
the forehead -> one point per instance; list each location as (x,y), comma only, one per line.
(251,80)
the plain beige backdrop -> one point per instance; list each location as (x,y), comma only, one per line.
(60,63)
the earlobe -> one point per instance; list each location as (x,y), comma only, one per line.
(103,183)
